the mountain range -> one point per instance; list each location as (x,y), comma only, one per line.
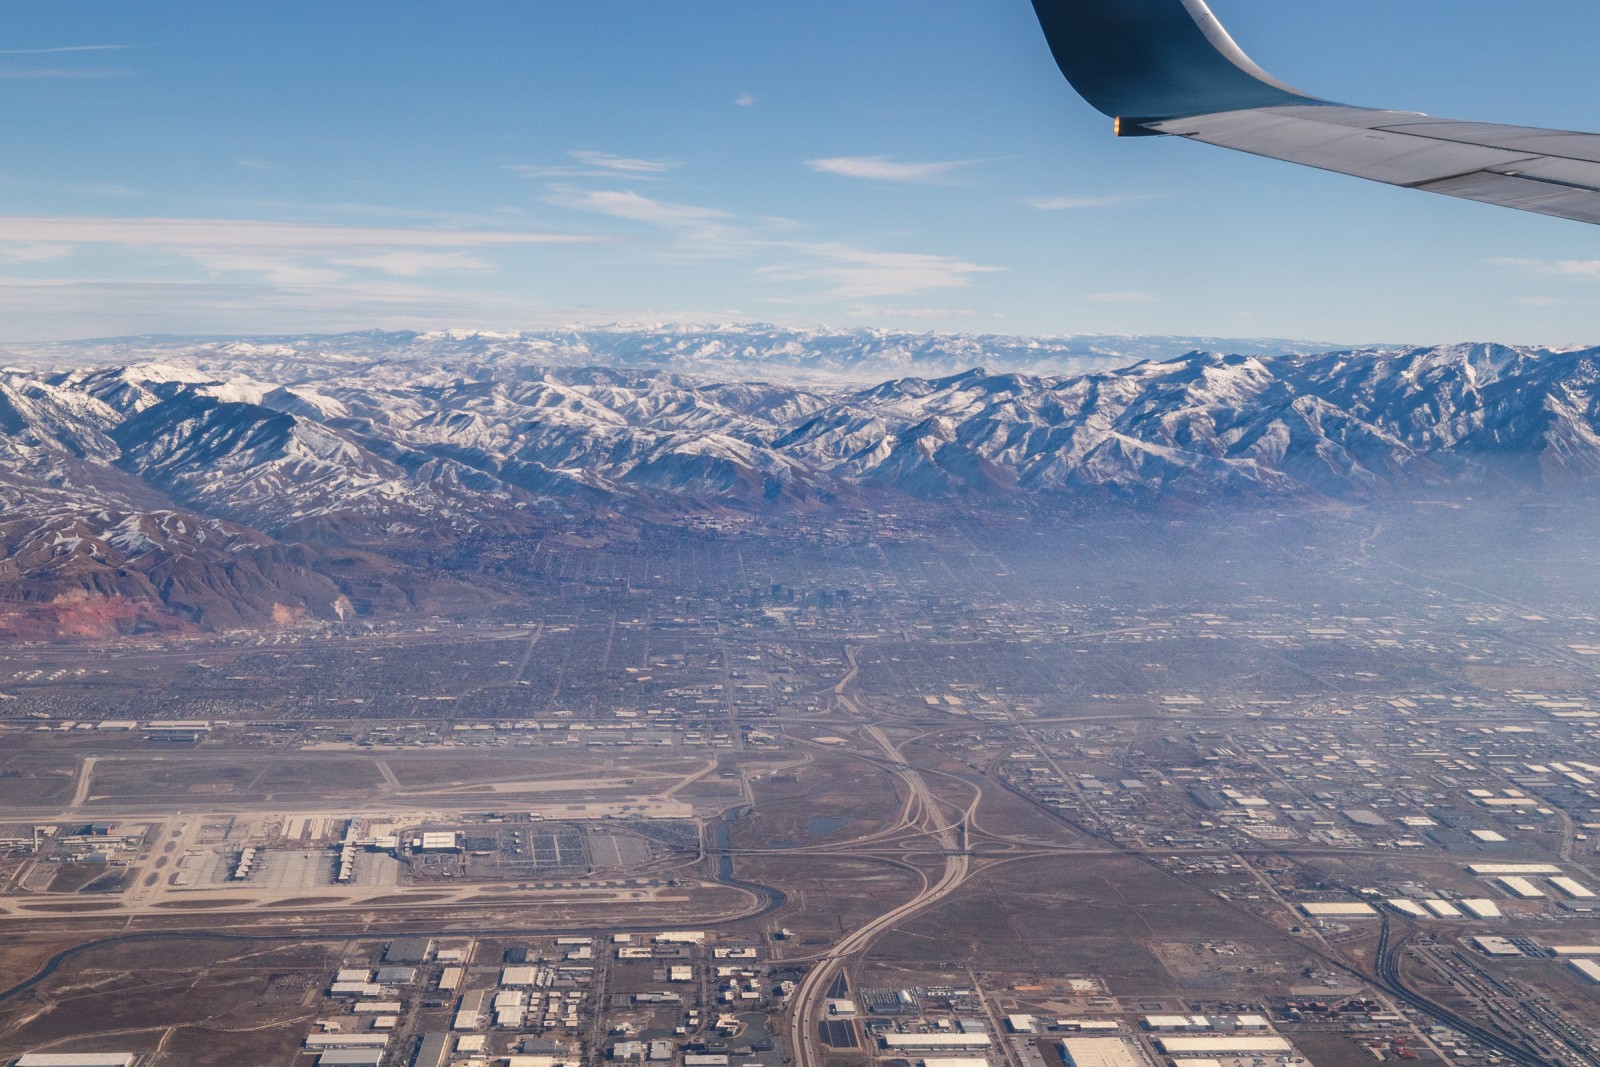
(260,483)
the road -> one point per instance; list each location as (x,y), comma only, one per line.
(808,1005)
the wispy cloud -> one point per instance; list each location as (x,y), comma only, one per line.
(248,233)
(64,49)
(1076,203)
(255,164)
(284,254)
(1539,302)
(1125,296)
(624,163)
(34,252)
(889,169)
(878,312)
(863,274)
(58,74)
(745,100)
(416,264)
(698,232)
(846,271)
(108,189)
(598,165)
(630,205)
(240,304)
(1559,268)
(272,268)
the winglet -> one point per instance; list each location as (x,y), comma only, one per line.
(1142,61)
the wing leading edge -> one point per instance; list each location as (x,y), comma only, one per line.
(1169,67)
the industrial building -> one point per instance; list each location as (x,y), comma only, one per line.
(934,1042)
(1572,888)
(323,1042)
(1226,1045)
(407,950)
(1098,1052)
(1496,946)
(78,1059)
(1518,886)
(432,1051)
(1589,969)
(351,1057)
(1341,910)
(446,841)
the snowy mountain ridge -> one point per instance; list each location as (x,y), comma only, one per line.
(241,483)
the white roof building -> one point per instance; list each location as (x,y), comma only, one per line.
(935,1041)
(1226,1045)
(1098,1052)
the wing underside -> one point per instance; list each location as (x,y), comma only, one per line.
(1168,67)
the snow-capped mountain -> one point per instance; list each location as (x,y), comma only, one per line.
(277,484)
(727,352)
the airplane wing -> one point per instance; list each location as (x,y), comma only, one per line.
(1169,67)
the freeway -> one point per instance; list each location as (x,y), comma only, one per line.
(925,812)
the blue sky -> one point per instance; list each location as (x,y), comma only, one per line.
(911,164)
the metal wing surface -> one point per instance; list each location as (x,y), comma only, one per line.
(1169,67)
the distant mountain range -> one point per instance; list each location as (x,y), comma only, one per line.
(772,353)
(259,482)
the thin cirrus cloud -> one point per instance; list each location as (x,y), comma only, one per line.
(623,204)
(1123,296)
(845,271)
(1079,203)
(9,73)
(1559,268)
(889,169)
(62,50)
(247,233)
(33,252)
(598,165)
(57,73)
(863,274)
(284,254)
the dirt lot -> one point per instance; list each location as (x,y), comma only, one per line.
(1107,916)
(212,999)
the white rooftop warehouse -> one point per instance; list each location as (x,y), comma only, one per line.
(935,1041)
(1098,1052)
(1234,1045)
(78,1059)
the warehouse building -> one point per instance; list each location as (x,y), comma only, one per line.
(1098,1052)
(1338,909)
(78,1059)
(351,1057)
(323,1042)
(1519,886)
(432,1050)
(1226,1045)
(934,1042)
(407,950)
(1589,969)
(1573,888)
